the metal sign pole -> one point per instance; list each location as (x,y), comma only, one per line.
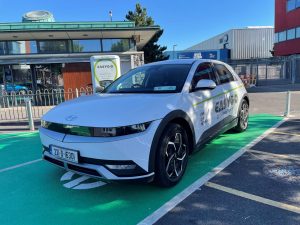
(29,114)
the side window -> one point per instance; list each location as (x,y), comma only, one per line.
(204,71)
(224,74)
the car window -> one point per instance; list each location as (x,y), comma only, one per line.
(204,71)
(224,74)
(162,78)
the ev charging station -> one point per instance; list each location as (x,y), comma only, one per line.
(105,69)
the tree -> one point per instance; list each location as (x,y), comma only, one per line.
(152,51)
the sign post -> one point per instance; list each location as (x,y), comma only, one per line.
(105,69)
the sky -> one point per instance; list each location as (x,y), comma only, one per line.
(185,22)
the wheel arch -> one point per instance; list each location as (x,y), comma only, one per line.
(179,117)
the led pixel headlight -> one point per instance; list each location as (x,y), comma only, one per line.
(95,131)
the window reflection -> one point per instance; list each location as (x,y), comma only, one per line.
(86,46)
(115,45)
(53,46)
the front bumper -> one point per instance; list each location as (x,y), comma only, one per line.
(97,156)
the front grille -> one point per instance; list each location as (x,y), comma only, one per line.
(84,170)
(68,129)
(54,161)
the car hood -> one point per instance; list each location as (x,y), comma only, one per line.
(113,110)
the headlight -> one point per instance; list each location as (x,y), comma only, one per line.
(95,131)
(120,131)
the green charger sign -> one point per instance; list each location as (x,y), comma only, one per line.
(105,69)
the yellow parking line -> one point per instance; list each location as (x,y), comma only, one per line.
(285,133)
(293,157)
(256,198)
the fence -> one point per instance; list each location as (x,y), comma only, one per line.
(13,104)
(265,71)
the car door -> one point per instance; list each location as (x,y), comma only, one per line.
(203,101)
(227,106)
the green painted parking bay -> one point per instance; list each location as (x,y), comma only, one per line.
(35,194)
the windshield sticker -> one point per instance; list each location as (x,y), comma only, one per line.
(165,88)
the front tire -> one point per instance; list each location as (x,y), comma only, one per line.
(172,156)
(243,117)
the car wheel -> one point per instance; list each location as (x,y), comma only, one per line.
(172,156)
(243,117)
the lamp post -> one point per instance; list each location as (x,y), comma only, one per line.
(110,15)
(174,51)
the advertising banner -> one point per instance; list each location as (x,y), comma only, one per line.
(105,69)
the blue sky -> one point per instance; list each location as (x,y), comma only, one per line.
(185,22)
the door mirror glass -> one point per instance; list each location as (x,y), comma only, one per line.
(205,84)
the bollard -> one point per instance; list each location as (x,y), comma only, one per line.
(287,104)
(29,114)
(77,93)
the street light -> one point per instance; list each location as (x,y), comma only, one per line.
(174,51)
(110,15)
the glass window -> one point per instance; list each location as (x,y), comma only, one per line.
(297,3)
(2,48)
(115,45)
(53,46)
(290,5)
(282,36)
(291,34)
(276,38)
(298,32)
(224,74)
(21,47)
(86,46)
(204,71)
(151,79)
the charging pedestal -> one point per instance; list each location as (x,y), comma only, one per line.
(105,69)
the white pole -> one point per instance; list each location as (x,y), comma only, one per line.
(287,104)
(29,114)
(77,93)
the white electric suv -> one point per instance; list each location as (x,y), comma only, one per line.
(146,123)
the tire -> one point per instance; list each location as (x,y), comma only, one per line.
(243,117)
(172,156)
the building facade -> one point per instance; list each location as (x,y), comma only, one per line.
(244,43)
(287,27)
(40,54)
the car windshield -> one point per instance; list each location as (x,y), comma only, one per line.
(165,78)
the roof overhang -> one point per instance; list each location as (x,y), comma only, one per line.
(92,30)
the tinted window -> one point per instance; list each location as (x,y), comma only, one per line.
(53,46)
(224,74)
(290,5)
(282,36)
(115,45)
(291,34)
(86,46)
(204,71)
(151,79)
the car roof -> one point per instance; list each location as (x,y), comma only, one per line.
(181,61)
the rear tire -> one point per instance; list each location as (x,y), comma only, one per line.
(172,156)
(243,117)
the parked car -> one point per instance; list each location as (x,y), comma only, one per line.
(15,88)
(146,123)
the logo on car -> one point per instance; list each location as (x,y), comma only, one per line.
(71,118)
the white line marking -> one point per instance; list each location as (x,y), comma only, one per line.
(20,165)
(75,182)
(168,206)
(89,185)
(255,198)
(290,156)
(67,176)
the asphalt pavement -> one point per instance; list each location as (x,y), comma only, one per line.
(261,187)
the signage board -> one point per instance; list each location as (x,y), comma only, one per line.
(105,69)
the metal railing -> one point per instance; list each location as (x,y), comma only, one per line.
(13,104)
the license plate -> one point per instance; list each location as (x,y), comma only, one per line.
(65,154)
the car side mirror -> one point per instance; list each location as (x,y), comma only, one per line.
(205,84)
